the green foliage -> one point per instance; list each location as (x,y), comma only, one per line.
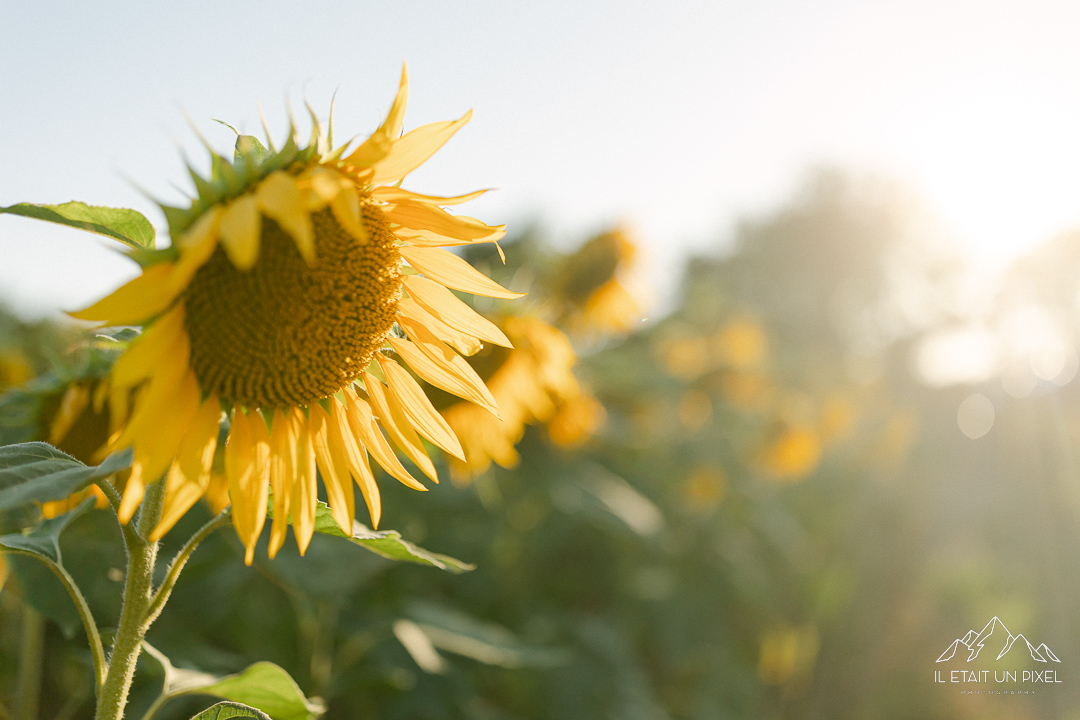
(264,686)
(37,472)
(127,226)
(386,543)
(226,710)
(43,541)
(663,570)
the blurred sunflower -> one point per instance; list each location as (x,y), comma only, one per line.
(284,283)
(15,368)
(65,407)
(533,382)
(592,284)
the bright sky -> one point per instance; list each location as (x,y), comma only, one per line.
(677,117)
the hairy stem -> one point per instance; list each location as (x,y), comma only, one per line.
(131,630)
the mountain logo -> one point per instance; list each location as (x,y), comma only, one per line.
(994,635)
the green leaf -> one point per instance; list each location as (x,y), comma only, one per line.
(453,631)
(43,541)
(38,472)
(225,710)
(127,226)
(266,686)
(385,543)
(263,685)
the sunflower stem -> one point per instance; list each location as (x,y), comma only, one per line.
(28,682)
(97,651)
(110,492)
(127,643)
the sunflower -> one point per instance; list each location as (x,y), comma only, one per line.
(65,407)
(592,284)
(534,382)
(294,284)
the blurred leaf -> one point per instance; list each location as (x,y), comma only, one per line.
(127,226)
(225,710)
(43,541)
(263,685)
(41,587)
(385,543)
(38,472)
(454,631)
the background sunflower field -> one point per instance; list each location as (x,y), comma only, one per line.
(791,411)
(756,505)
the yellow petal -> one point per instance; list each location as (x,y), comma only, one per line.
(334,470)
(410,151)
(280,200)
(346,447)
(198,252)
(440,222)
(155,396)
(133,492)
(346,209)
(100,394)
(305,493)
(396,117)
(247,453)
(366,428)
(74,401)
(140,360)
(189,475)
(155,446)
(261,477)
(442,367)
(462,342)
(430,238)
(398,426)
(391,194)
(159,445)
(378,145)
(448,269)
(451,310)
(136,301)
(283,440)
(241,227)
(202,231)
(416,406)
(321,185)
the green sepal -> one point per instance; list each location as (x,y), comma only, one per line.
(147,258)
(202,186)
(249,150)
(128,226)
(251,163)
(37,472)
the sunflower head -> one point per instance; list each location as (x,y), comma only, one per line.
(65,407)
(532,383)
(592,284)
(299,284)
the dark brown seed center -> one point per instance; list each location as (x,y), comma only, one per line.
(283,333)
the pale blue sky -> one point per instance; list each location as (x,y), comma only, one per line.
(677,117)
